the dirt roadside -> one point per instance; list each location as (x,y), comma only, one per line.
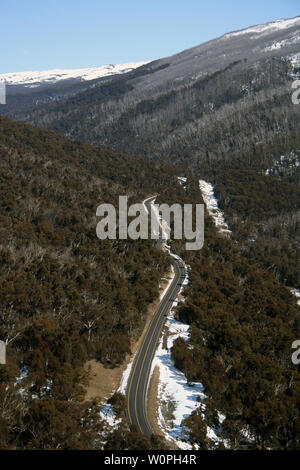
(103,381)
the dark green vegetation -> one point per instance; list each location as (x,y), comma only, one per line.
(242,326)
(221,112)
(264,214)
(65,295)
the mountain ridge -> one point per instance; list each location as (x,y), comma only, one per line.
(36,78)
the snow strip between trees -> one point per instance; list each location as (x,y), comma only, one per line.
(211,203)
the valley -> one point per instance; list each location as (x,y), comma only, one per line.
(76,310)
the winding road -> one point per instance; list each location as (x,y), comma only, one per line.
(139,377)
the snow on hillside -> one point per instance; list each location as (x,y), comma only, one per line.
(34,79)
(125,377)
(211,203)
(287,164)
(285,42)
(176,398)
(266,28)
(182,181)
(108,416)
(296,293)
(295,59)
(295,63)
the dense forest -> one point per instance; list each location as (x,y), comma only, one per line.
(65,295)
(263,212)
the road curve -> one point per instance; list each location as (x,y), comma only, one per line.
(139,377)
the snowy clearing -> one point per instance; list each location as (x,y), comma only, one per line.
(211,203)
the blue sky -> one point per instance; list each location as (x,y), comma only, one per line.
(42,34)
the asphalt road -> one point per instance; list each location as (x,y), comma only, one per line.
(139,377)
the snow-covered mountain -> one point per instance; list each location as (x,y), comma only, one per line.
(267,28)
(203,80)
(34,79)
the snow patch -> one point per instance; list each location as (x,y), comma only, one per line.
(295,59)
(285,42)
(108,416)
(176,397)
(23,374)
(182,181)
(211,203)
(285,165)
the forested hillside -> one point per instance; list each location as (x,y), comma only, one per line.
(65,295)
(222,112)
(263,212)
